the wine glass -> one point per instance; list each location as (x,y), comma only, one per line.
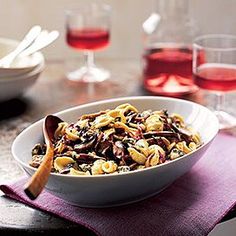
(88,30)
(216,71)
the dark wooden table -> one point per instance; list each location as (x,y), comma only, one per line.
(52,93)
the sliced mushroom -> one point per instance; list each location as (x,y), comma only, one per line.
(118,149)
(184,133)
(165,141)
(39,149)
(87,158)
(161,134)
(36,160)
(86,145)
(108,132)
(131,117)
(103,145)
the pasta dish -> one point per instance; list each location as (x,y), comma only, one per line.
(119,140)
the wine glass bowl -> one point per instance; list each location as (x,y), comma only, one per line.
(216,72)
(88,38)
(88,30)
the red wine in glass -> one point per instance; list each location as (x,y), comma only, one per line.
(168,70)
(88,30)
(217,73)
(216,77)
(88,38)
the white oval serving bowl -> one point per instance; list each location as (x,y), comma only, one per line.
(20,65)
(119,189)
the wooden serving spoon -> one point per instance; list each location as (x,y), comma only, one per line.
(39,179)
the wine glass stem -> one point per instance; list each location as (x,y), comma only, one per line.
(89,59)
(220,100)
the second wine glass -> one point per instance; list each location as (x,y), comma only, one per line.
(88,30)
(216,71)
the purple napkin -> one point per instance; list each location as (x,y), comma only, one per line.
(192,205)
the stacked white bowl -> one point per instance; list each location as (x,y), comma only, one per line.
(21,74)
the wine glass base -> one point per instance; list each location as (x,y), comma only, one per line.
(89,75)
(226,120)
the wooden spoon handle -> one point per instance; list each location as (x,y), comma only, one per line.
(39,179)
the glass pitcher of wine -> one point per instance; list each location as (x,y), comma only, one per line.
(169,33)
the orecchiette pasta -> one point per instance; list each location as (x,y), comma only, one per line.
(60,147)
(182,146)
(142,146)
(152,160)
(109,167)
(77,172)
(61,129)
(136,156)
(118,141)
(154,123)
(178,118)
(96,169)
(61,162)
(71,134)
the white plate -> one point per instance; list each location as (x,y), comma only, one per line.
(20,65)
(119,189)
(13,87)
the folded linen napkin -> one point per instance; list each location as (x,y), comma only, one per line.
(192,205)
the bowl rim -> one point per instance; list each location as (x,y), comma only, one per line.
(68,110)
(37,70)
(14,42)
